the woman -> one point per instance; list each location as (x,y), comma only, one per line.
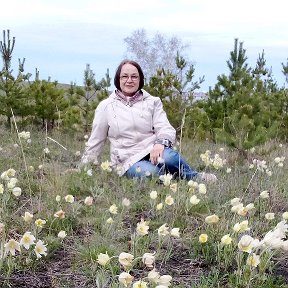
(139,132)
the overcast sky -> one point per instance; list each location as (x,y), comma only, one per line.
(60,36)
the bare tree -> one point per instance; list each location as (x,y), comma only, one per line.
(154,53)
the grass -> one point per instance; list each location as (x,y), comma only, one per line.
(73,261)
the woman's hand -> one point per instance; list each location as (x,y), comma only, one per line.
(156,152)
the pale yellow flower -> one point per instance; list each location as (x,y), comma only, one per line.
(203,238)
(12,183)
(125,259)
(159,206)
(106,166)
(175,232)
(241,227)
(11,172)
(148,259)
(40,223)
(202,188)
(153,195)
(237,207)
(194,200)
(250,206)
(11,246)
(62,234)
(27,240)
(212,219)
(113,209)
(169,200)
(173,187)
(88,201)
(40,249)
(285,215)
(69,198)
(269,216)
(140,284)
(163,230)
(142,228)
(103,259)
(253,260)
(109,220)
(27,216)
(59,214)
(58,198)
(125,279)
(226,239)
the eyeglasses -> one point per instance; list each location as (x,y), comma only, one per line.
(132,77)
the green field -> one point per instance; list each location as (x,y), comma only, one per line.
(122,215)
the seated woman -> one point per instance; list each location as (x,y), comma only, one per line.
(140,135)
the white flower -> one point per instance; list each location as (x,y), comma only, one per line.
(153,276)
(58,198)
(264,194)
(277,160)
(253,260)
(175,232)
(173,187)
(163,230)
(194,200)
(11,246)
(165,280)
(140,284)
(88,201)
(235,201)
(126,202)
(12,183)
(106,166)
(166,178)
(69,198)
(40,249)
(125,259)
(17,191)
(27,216)
(228,170)
(125,279)
(148,259)
(89,172)
(103,259)
(192,183)
(153,195)
(269,216)
(27,240)
(246,243)
(1,188)
(202,188)
(241,227)
(142,228)
(212,219)
(169,200)
(62,234)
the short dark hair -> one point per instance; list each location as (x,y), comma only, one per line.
(118,71)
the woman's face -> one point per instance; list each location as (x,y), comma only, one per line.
(129,80)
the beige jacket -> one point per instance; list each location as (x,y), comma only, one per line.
(131,129)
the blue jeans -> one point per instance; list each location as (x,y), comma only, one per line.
(173,164)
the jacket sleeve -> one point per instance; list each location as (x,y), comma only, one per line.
(98,135)
(162,127)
